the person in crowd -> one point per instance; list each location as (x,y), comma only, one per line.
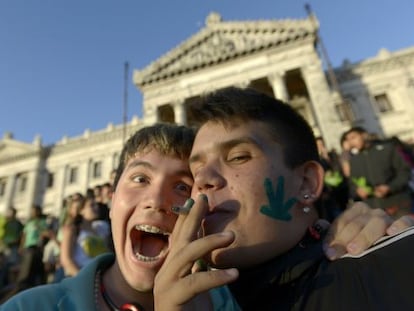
(112,178)
(107,194)
(255,185)
(335,194)
(2,222)
(153,177)
(4,270)
(51,252)
(31,272)
(405,149)
(379,174)
(84,237)
(71,211)
(101,202)
(97,192)
(344,157)
(13,230)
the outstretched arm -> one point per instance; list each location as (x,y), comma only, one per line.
(358,227)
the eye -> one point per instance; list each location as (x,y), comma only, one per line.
(183,187)
(140,179)
(238,157)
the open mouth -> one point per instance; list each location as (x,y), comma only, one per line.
(149,243)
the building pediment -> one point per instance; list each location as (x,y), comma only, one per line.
(221,41)
(12,149)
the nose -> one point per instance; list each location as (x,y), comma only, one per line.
(158,199)
(208,178)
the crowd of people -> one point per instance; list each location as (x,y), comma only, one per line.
(258,191)
(377,171)
(46,248)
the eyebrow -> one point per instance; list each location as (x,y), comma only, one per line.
(225,146)
(137,163)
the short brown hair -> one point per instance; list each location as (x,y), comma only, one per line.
(169,139)
(232,105)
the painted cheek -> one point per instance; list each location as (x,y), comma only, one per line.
(277,208)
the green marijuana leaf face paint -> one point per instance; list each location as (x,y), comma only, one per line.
(277,208)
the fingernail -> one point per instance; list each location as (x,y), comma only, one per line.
(203,196)
(188,204)
(185,209)
(176,209)
(392,230)
(353,247)
(330,252)
(232,272)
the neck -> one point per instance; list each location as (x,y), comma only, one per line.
(119,291)
(279,275)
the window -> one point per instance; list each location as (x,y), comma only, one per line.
(73,175)
(97,169)
(21,182)
(382,103)
(50,180)
(3,184)
(344,111)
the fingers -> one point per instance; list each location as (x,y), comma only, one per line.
(196,215)
(400,224)
(356,210)
(188,224)
(198,249)
(356,230)
(175,278)
(199,266)
(203,281)
(342,220)
(179,280)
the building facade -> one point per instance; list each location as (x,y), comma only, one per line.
(278,57)
(46,175)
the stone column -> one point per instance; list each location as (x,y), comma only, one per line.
(322,103)
(10,189)
(30,191)
(60,185)
(277,81)
(180,113)
(150,114)
(84,173)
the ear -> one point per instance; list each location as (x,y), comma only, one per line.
(312,180)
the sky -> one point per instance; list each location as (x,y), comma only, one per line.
(62,61)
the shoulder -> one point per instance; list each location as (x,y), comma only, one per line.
(372,280)
(383,146)
(386,261)
(44,297)
(72,293)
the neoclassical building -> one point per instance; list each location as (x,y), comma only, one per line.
(278,57)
